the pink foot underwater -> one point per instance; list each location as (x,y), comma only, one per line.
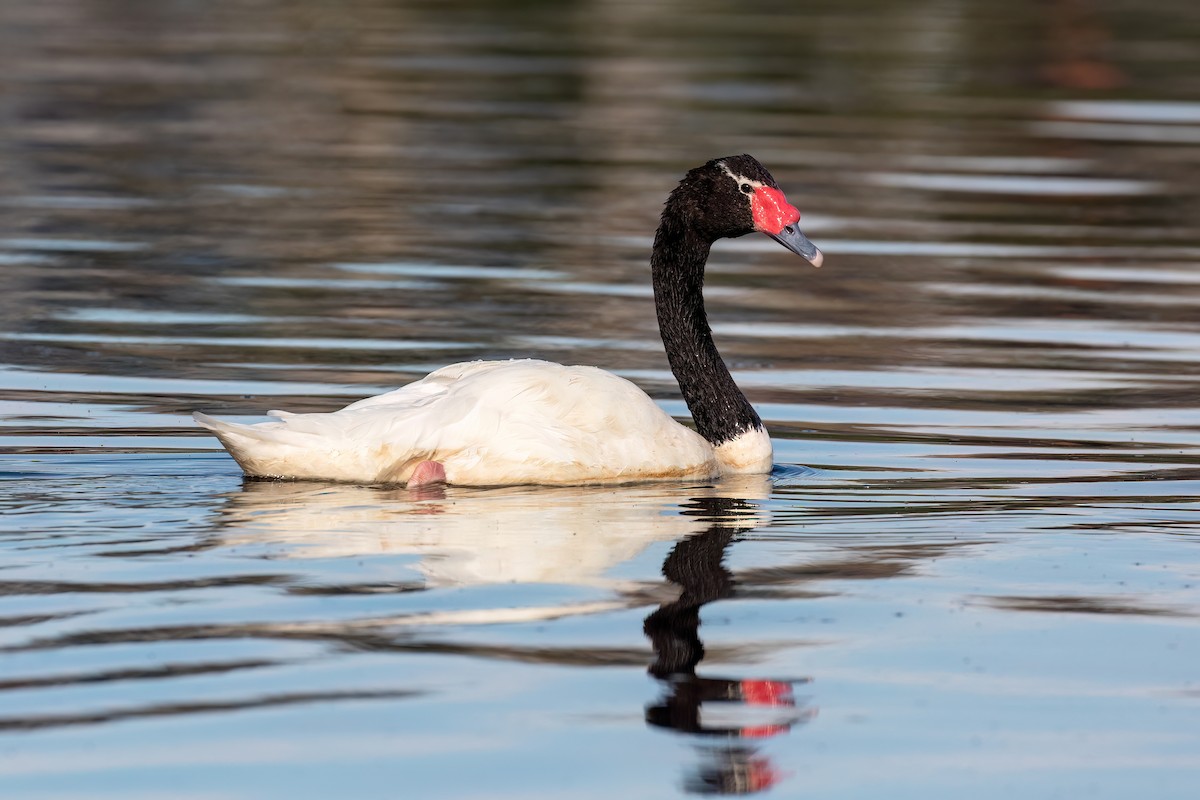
(427,472)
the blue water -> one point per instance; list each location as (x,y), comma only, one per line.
(973,573)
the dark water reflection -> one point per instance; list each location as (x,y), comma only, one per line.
(973,573)
(696,565)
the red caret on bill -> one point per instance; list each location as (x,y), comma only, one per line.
(772,212)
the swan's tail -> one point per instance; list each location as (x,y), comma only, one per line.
(262,449)
(221,428)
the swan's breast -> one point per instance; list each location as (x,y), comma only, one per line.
(749,453)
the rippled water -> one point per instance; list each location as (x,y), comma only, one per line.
(974,571)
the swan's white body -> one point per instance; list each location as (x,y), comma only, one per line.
(493,423)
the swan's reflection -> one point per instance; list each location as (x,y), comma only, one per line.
(696,565)
(565,535)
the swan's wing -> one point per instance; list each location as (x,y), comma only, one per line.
(398,405)
(435,384)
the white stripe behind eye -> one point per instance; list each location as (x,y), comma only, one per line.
(740,179)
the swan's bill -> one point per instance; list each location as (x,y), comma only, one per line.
(794,239)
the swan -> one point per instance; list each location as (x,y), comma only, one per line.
(493,423)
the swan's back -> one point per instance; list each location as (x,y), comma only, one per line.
(487,423)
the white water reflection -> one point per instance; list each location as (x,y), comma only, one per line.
(66,201)
(67,382)
(1183,275)
(454,271)
(1006,184)
(1119,132)
(993,163)
(570,535)
(238,341)
(1073,332)
(140,316)
(337,284)
(1059,293)
(1127,110)
(24,260)
(71,245)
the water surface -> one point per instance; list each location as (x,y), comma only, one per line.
(973,572)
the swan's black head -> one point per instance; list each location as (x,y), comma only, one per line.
(733,196)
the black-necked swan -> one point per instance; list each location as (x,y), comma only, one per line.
(488,423)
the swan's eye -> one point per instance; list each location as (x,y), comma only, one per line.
(787,228)
(747,188)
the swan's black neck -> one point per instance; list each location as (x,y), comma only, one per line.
(721,411)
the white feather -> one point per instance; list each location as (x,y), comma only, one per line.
(492,423)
